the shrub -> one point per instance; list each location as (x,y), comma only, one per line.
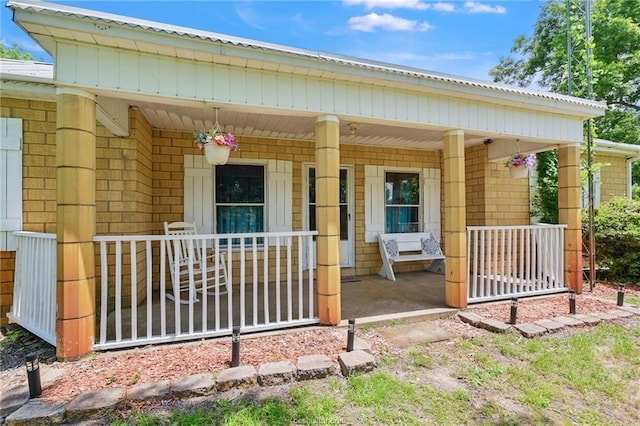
(617,234)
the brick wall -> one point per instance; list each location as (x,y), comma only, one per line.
(613,177)
(493,197)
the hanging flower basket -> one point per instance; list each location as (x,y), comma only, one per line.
(216,143)
(216,154)
(519,172)
(519,164)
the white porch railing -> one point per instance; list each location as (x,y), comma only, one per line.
(513,261)
(270,288)
(34,287)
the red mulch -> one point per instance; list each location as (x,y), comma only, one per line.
(171,362)
(601,299)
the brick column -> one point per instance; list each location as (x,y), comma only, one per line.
(76,222)
(455,234)
(328,218)
(570,213)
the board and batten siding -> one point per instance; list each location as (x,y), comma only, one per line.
(144,74)
(199,194)
(10,181)
(374,200)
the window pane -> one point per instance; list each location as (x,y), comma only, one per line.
(402,219)
(239,219)
(402,188)
(312,186)
(239,184)
(344,222)
(343,186)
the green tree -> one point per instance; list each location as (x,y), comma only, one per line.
(541,59)
(15,52)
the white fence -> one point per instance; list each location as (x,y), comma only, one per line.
(513,261)
(269,288)
(34,287)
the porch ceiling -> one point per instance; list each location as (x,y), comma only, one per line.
(295,126)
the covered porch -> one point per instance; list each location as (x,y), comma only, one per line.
(329,144)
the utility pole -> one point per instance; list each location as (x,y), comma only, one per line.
(588,93)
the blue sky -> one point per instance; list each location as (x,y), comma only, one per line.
(464,38)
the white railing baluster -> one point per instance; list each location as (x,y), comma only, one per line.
(104,291)
(289,295)
(230,278)
(134,290)
(242,284)
(265,271)
(118,278)
(149,258)
(300,280)
(205,279)
(163,288)
(254,256)
(277,283)
(311,287)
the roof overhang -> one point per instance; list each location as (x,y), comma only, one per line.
(626,150)
(80,40)
(48,22)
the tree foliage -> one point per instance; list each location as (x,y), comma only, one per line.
(617,234)
(15,52)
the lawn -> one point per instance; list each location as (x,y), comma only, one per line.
(586,376)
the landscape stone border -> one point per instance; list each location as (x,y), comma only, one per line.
(540,327)
(97,404)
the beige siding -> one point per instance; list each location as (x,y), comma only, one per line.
(613,177)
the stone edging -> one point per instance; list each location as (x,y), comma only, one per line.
(20,410)
(540,327)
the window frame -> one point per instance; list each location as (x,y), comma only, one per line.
(420,205)
(264,204)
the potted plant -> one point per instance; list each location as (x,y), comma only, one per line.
(216,144)
(519,164)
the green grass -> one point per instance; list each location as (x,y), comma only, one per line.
(580,378)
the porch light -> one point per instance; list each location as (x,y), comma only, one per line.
(351,332)
(621,294)
(33,375)
(235,346)
(572,301)
(514,311)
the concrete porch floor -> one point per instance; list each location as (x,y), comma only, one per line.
(375,296)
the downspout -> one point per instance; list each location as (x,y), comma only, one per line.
(630,162)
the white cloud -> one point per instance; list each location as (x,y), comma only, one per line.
(444,7)
(387,22)
(473,7)
(389,4)
(249,16)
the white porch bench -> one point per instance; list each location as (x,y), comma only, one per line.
(409,247)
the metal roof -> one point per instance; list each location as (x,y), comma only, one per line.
(345,61)
(39,70)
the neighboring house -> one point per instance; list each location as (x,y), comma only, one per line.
(348,147)
(613,179)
